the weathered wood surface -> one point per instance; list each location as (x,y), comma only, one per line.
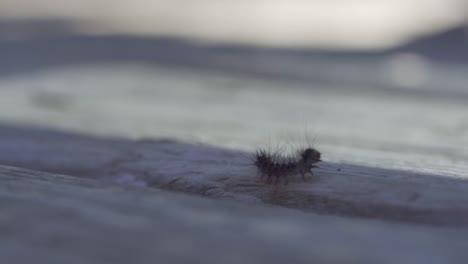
(336,188)
(49,218)
(387,156)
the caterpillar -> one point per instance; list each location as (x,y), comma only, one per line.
(276,166)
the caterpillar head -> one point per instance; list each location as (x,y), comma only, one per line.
(310,156)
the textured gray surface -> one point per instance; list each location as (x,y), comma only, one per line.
(336,188)
(50,218)
(394,170)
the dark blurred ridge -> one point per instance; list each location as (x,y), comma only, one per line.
(449,46)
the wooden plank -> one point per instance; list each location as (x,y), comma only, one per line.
(336,188)
(386,155)
(56,218)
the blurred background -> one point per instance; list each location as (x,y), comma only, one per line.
(397,42)
(148,68)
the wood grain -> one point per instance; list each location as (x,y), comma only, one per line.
(336,188)
(49,218)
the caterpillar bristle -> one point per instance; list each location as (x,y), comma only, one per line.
(274,165)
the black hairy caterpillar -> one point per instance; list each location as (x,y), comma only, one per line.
(275,165)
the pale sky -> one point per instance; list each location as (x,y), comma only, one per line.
(359,24)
